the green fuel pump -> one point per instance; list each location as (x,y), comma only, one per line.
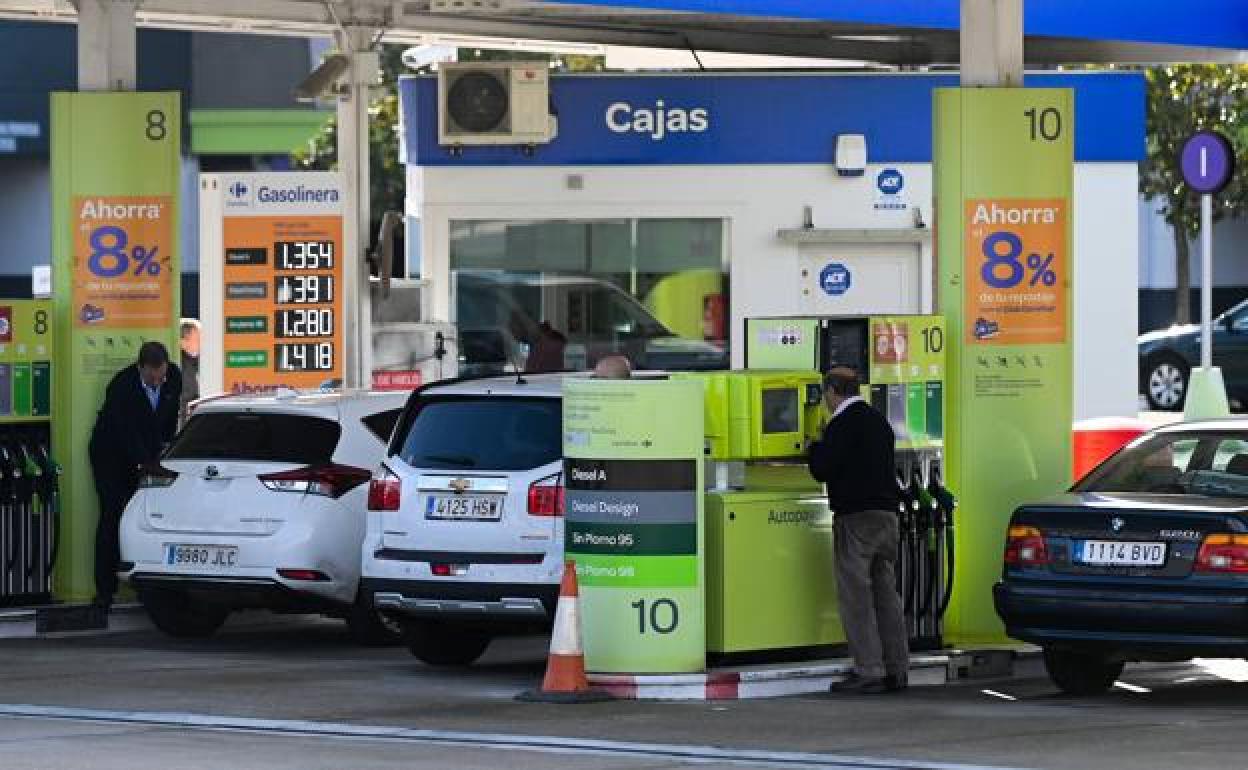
(901,360)
(769,582)
(29,477)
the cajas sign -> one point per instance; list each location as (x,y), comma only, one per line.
(656,121)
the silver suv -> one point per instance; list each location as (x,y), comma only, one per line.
(465,525)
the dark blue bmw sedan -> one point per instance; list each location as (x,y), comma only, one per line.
(1145,559)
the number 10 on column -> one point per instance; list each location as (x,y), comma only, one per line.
(644,630)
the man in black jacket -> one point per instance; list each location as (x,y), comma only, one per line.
(138,418)
(855,460)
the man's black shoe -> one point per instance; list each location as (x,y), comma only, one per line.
(859,685)
(896,682)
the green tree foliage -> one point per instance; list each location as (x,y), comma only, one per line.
(385,171)
(1183,99)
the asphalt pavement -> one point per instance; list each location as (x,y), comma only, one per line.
(299,694)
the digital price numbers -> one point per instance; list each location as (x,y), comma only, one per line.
(304,357)
(304,255)
(305,322)
(305,285)
(303,289)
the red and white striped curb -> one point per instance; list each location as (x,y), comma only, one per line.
(767,681)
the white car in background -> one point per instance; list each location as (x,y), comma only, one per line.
(465,523)
(260,502)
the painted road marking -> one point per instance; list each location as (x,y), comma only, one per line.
(549,744)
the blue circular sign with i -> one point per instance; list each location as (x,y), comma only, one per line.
(1207,161)
(835,279)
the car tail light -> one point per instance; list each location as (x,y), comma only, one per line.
(156,477)
(384,491)
(546,496)
(330,480)
(1024,547)
(311,575)
(1223,552)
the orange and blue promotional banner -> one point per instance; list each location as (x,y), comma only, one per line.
(123,245)
(1004,165)
(116,171)
(1015,250)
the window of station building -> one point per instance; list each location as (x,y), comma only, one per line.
(545,295)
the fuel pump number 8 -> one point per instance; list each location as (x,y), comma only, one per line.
(660,616)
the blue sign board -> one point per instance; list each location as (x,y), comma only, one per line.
(772,118)
(835,279)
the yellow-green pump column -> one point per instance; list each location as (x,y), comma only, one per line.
(116,164)
(1003,167)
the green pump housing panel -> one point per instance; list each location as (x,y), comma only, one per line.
(760,415)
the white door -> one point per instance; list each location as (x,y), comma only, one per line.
(858,279)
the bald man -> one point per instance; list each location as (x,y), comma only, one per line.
(613,368)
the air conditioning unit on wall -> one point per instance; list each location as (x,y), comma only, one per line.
(483,103)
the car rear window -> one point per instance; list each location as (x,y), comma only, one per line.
(256,437)
(381,424)
(494,433)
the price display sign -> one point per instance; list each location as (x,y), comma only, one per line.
(634,521)
(281,281)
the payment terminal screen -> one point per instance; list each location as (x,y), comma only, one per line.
(780,410)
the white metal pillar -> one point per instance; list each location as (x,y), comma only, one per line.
(353,163)
(992,43)
(106,45)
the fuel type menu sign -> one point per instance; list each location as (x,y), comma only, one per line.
(25,360)
(633,509)
(281,281)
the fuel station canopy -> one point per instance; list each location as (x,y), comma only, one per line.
(900,33)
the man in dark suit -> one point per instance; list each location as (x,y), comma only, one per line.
(138,418)
(854,459)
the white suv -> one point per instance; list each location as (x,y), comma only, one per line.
(260,502)
(465,523)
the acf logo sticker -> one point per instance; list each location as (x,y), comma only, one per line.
(835,279)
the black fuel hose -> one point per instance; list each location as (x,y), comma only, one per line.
(908,535)
(903,517)
(9,476)
(948,504)
(52,483)
(23,487)
(931,517)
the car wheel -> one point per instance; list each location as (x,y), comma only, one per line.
(176,615)
(371,628)
(1165,383)
(1077,672)
(438,644)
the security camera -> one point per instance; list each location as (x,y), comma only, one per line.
(320,82)
(423,56)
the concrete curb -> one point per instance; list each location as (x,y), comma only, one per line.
(30,622)
(764,681)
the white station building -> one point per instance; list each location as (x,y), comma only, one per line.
(712,198)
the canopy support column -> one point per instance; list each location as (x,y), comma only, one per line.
(992,43)
(106,45)
(356,42)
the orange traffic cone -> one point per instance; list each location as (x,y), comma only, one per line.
(565,680)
